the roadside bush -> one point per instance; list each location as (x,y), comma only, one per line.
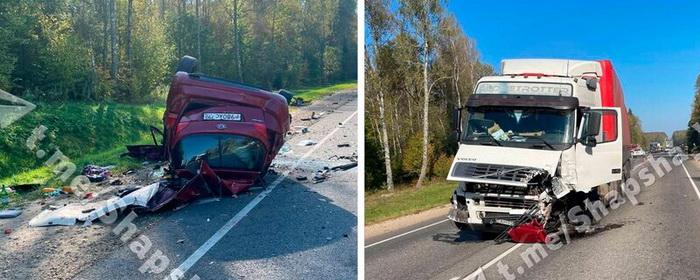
(413,156)
(441,166)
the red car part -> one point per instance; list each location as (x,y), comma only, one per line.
(532,232)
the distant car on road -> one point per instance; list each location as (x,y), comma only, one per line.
(638,152)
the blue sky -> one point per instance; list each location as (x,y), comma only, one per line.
(655,48)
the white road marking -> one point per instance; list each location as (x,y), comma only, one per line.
(695,187)
(481,269)
(192,259)
(406,233)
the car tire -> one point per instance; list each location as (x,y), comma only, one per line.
(188,64)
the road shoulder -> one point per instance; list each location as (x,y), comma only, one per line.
(404,223)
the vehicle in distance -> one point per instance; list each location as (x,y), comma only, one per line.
(638,152)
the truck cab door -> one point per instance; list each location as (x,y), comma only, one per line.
(599,153)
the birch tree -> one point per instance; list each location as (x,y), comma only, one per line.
(423,17)
(379,21)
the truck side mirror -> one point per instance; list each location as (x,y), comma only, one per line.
(592,83)
(593,124)
(591,129)
(589,141)
(457,123)
(457,119)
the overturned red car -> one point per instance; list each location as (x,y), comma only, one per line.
(219,135)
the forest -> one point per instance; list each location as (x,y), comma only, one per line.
(419,66)
(126,50)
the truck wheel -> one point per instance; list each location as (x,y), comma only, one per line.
(187,64)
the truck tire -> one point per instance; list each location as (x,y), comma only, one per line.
(188,64)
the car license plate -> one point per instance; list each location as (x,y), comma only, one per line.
(504,222)
(221,117)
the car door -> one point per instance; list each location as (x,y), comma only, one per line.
(600,163)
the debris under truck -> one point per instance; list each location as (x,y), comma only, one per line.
(537,141)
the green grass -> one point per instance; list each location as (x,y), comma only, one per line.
(42,175)
(85,133)
(405,200)
(316,93)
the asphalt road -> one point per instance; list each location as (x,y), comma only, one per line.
(284,229)
(655,239)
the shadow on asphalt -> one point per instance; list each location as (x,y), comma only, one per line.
(292,219)
(464,236)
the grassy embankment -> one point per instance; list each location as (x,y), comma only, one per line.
(406,199)
(84,133)
(315,93)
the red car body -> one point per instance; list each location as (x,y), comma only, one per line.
(264,118)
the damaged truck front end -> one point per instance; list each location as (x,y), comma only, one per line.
(526,158)
(498,196)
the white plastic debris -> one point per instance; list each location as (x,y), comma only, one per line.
(87,213)
(10,213)
(307,143)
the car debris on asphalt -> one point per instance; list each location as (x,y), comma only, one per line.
(321,175)
(96,173)
(344,167)
(307,143)
(10,213)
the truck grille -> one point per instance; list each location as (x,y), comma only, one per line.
(504,189)
(507,202)
(495,172)
(504,216)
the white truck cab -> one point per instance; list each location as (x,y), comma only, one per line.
(546,133)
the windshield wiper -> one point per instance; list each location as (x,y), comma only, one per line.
(493,139)
(543,141)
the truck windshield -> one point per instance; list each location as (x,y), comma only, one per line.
(226,151)
(537,128)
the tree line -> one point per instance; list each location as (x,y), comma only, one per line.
(126,50)
(692,135)
(419,66)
